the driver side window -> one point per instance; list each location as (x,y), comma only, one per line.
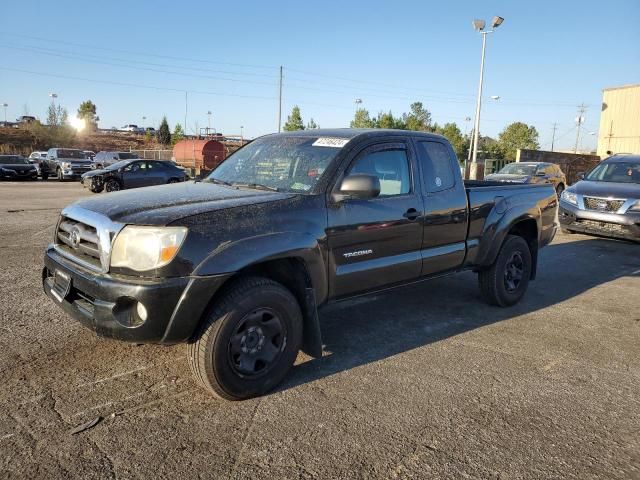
(390,166)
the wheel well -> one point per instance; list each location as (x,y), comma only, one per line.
(291,272)
(528,229)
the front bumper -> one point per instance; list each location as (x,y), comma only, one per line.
(14,175)
(107,303)
(624,226)
(72,173)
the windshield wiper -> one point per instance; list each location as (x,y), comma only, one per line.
(218,181)
(257,186)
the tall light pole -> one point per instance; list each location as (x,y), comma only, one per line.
(241,134)
(5,105)
(208,122)
(479,26)
(358,102)
(144,121)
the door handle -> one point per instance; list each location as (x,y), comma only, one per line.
(411,214)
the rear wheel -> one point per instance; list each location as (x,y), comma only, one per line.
(248,341)
(112,185)
(506,281)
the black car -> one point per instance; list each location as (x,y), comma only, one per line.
(16,167)
(606,202)
(132,174)
(531,172)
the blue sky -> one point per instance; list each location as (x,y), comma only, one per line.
(136,59)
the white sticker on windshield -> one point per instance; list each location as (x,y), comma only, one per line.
(330,142)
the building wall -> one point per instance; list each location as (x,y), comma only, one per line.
(620,121)
(571,163)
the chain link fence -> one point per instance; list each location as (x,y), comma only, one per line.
(154,154)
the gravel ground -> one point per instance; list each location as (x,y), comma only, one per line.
(423,382)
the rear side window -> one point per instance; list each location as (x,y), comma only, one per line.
(439,173)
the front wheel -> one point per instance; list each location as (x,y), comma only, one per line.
(505,282)
(248,341)
(112,185)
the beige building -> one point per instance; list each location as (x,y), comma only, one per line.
(620,121)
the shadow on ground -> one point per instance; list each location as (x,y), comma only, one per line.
(368,329)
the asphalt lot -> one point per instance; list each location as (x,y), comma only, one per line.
(423,382)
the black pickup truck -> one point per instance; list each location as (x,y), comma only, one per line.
(238,264)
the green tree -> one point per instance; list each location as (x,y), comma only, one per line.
(178,134)
(419,118)
(458,141)
(87,112)
(515,136)
(311,125)
(490,148)
(387,120)
(361,119)
(164,134)
(56,115)
(294,121)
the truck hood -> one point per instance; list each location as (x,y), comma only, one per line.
(606,189)
(164,204)
(507,177)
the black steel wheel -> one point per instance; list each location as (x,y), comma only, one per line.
(248,340)
(505,282)
(112,185)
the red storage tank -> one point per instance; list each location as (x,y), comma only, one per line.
(200,155)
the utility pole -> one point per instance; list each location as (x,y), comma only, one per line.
(280,103)
(553,135)
(579,120)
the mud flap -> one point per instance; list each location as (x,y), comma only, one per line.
(312,339)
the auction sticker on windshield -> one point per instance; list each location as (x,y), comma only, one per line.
(330,142)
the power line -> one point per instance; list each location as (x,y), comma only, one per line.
(130,52)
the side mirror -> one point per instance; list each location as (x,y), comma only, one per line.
(358,185)
(580,176)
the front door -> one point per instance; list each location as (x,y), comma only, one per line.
(135,174)
(377,242)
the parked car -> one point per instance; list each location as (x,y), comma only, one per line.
(531,172)
(238,264)
(38,159)
(16,167)
(129,128)
(132,174)
(150,130)
(66,163)
(24,120)
(606,202)
(104,159)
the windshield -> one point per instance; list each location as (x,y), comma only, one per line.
(519,169)
(285,164)
(117,165)
(64,153)
(12,160)
(619,172)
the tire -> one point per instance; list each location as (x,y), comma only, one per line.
(228,354)
(559,190)
(112,185)
(505,282)
(45,177)
(173,180)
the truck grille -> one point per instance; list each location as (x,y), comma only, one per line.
(602,204)
(79,240)
(85,238)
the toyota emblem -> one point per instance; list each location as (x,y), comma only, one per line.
(74,237)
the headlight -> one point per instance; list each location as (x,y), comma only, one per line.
(146,248)
(65,164)
(569,197)
(635,207)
